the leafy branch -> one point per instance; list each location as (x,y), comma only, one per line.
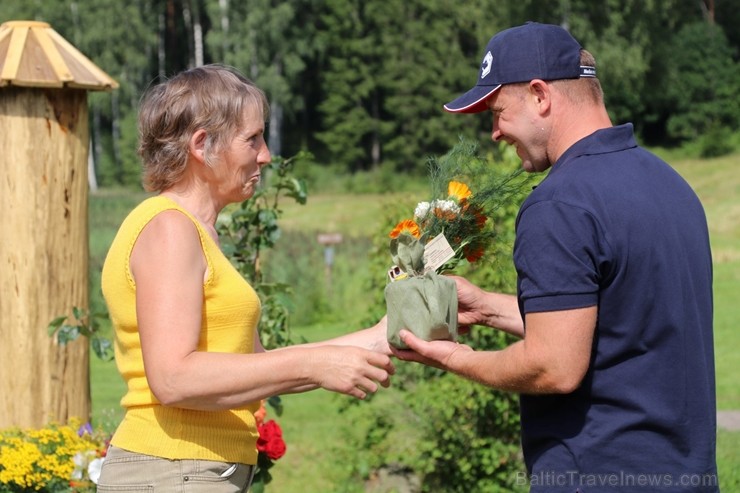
(84,324)
(251,229)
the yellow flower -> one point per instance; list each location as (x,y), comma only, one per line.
(34,459)
(18,463)
(406,226)
(458,190)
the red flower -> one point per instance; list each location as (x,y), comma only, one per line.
(477,213)
(271,440)
(473,253)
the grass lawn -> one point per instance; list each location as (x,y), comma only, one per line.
(314,460)
(311,426)
(718,185)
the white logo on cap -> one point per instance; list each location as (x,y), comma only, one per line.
(486,65)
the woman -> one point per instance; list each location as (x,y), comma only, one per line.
(185,320)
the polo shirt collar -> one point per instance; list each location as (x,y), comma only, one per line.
(603,141)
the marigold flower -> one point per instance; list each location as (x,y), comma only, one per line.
(445,209)
(458,190)
(473,253)
(37,458)
(406,226)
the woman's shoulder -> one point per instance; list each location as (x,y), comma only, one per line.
(155,204)
(156,216)
(151,207)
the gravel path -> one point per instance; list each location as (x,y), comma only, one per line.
(728,420)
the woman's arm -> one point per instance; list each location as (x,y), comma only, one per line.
(373,338)
(169,268)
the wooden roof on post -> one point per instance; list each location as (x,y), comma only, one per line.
(32,54)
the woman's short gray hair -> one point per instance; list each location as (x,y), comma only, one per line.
(213,98)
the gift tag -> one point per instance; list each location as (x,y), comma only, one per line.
(436,253)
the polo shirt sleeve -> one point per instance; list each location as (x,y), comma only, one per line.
(560,253)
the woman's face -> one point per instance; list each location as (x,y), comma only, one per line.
(240,163)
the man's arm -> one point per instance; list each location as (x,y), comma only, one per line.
(478,307)
(553,357)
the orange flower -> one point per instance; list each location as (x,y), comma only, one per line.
(473,253)
(259,415)
(477,213)
(406,226)
(443,214)
(458,190)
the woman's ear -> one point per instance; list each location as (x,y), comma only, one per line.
(197,145)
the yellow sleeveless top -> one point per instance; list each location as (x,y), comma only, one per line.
(231,311)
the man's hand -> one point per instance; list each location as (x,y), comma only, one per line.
(440,354)
(469,299)
(476,306)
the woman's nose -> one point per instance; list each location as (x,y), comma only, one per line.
(264,157)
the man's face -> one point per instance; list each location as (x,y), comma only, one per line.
(517,122)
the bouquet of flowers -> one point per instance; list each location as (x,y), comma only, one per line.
(270,447)
(450,228)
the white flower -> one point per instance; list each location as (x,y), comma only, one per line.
(421,211)
(80,461)
(93,470)
(446,206)
(87,464)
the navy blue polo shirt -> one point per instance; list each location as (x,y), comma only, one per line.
(614,226)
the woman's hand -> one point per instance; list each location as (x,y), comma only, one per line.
(379,337)
(351,370)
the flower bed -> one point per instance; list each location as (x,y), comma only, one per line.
(54,459)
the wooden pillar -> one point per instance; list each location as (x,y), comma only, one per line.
(44,138)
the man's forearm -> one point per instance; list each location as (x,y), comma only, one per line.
(501,311)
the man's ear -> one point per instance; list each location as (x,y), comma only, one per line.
(541,95)
(197,145)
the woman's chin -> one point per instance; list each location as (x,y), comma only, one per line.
(248,190)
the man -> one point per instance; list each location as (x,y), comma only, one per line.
(615,365)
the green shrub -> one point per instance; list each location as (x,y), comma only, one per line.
(716,142)
(320,293)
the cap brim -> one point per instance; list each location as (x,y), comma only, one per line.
(473,101)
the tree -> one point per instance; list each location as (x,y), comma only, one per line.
(389,68)
(360,84)
(109,40)
(349,80)
(432,51)
(269,41)
(703,82)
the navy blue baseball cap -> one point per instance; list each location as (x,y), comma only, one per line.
(521,54)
